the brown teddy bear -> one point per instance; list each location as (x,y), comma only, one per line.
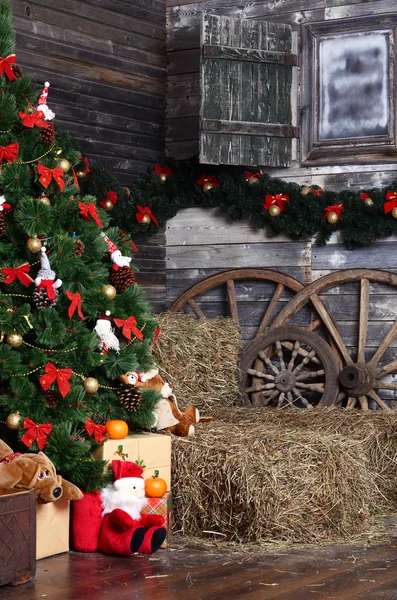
(33,471)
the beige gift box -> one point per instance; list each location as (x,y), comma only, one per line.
(52,521)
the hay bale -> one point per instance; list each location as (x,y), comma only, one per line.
(199,357)
(297,477)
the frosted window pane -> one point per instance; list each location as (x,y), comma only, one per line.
(354,86)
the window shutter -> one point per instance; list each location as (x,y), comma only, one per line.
(246,86)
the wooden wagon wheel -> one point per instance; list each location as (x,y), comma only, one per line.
(361,378)
(296,368)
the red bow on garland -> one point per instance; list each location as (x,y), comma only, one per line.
(32,119)
(391,203)
(162,171)
(277,200)
(36,433)
(76,303)
(18,273)
(9,152)
(89,210)
(86,162)
(96,429)
(314,191)
(47,175)
(336,208)
(5,66)
(145,211)
(365,196)
(61,376)
(208,179)
(129,325)
(112,196)
(248,175)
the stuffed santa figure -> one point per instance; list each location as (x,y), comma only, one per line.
(124,529)
(47,284)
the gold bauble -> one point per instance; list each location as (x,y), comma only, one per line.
(146,219)
(81,174)
(58,151)
(64,164)
(29,110)
(369,201)
(332,218)
(306,190)
(14,339)
(91,385)
(207,186)
(34,245)
(108,205)
(253,180)
(127,190)
(394,213)
(109,291)
(44,200)
(163,177)
(13,421)
(274,210)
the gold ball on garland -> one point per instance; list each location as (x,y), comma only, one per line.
(91,385)
(108,205)
(306,190)
(163,177)
(29,110)
(13,421)
(34,245)
(109,291)
(127,190)
(207,186)
(253,180)
(58,151)
(14,339)
(80,174)
(64,164)
(44,200)
(146,219)
(332,218)
(274,210)
(394,213)
(369,201)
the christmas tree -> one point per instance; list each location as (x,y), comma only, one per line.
(72,320)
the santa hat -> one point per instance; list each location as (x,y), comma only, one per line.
(45,271)
(126,473)
(42,103)
(111,246)
(44,94)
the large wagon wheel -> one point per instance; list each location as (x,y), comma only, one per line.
(362,372)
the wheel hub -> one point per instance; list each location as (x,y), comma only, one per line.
(285,381)
(356,379)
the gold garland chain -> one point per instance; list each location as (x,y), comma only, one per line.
(28,162)
(47,349)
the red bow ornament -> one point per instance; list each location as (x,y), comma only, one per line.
(47,175)
(391,202)
(17,274)
(36,433)
(336,208)
(76,302)
(32,119)
(61,376)
(129,325)
(162,171)
(96,429)
(5,66)
(209,180)
(144,213)
(277,200)
(252,177)
(10,152)
(88,212)
(112,196)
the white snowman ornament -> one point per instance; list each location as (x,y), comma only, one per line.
(47,284)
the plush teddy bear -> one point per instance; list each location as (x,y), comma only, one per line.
(33,471)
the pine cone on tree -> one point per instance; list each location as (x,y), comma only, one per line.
(51,399)
(122,279)
(78,249)
(47,135)
(17,70)
(2,224)
(130,397)
(41,299)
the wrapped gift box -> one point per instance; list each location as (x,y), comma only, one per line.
(52,528)
(161,506)
(17,537)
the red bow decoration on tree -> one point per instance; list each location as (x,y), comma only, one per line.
(61,376)
(365,196)
(5,66)
(19,273)
(162,171)
(208,179)
(145,211)
(76,303)
(129,325)
(314,191)
(32,119)
(88,212)
(112,196)
(336,208)
(87,166)
(9,152)
(96,429)
(47,175)
(36,433)
(248,175)
(391,203)
(277,200)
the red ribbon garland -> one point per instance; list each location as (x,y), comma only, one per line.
(156,335)
(96,429)
(36,433)
(48,285)
(47,175)
(129,325)
(9,152)
(18,273)
(145,210)
(32,119)
(208,179)
(162,171)
(5,66)
(112,196)
(336,208)
(89,210)
(76,303)
(248,175)
(61,376)
(391,203)
(277,200)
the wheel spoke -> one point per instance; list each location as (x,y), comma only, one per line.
(268,362)
(259,388)
(231,292)
(301,351)
(351,402)
(301,398)
(364,402)
(387,369)
(196,309)
(363,322)
(332,328)
(281,400)
(271,308)
(380,385)
(340,398)
(304,362)
(372,394)
(310,374)
(290,400)
(313,387)
(383,346)
(280,355)
(260,375)
(314,325)
(273,394)
(294,355)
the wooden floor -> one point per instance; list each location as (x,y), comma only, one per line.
(185,573)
